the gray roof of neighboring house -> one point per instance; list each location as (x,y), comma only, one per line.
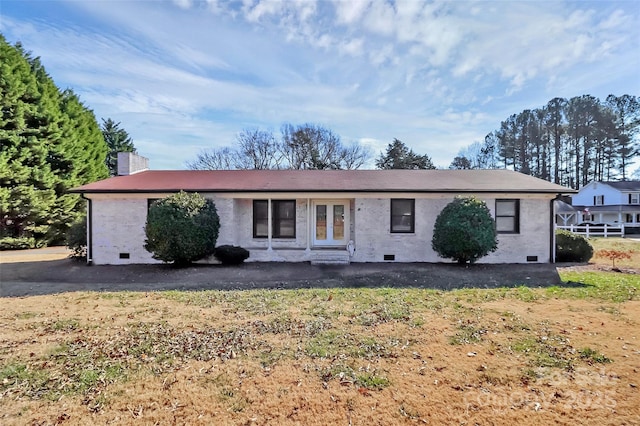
(434,181)
(625,185)
(617,208)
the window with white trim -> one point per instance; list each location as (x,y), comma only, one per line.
(598,200)
(634,198)
(508,216)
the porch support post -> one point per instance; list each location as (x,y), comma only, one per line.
(269,225)
(308,225)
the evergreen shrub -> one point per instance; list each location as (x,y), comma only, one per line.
(572,247)
(182,228)
(231,255)
(464,231)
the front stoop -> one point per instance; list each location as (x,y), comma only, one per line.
(340,257)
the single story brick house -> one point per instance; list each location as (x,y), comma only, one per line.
(324,216)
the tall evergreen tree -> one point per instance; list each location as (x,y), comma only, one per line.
(27,189)
(626,110)
(399,156)
(45,149)
(118,140)
(570,142)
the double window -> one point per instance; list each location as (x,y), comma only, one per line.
(634,198)
(283,218)
(508,216)
(403,216)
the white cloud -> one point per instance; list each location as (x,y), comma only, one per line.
(352,47)
(184,4)
(437,75)
(380,18)
(350,11)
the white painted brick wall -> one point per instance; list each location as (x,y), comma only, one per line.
(118,227)
(374,239)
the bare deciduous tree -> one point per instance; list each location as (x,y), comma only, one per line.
(306,146)
(257,149)
(213,159)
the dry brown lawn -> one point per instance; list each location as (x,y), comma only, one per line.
(326,356)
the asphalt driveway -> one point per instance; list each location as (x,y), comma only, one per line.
(43,273)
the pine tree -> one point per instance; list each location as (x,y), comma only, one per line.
(399,156)
(118,140)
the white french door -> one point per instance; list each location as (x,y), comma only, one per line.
(330,223)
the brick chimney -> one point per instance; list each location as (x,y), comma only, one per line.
(130,163)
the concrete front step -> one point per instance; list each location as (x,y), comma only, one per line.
(330,258)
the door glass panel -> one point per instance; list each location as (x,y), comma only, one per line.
(321,222)
(338,222)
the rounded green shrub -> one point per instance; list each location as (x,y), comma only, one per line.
(464,231)
(231,255)
(77,238)
(18,243)
(572,247)
(182,228)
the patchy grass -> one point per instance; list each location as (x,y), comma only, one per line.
(600,285)
(631,247)
(319,356)
(591,355)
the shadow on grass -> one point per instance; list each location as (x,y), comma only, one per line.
(59,276)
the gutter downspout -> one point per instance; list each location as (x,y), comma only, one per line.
(89,230)
(552,226)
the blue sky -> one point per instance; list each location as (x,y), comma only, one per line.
(185,75)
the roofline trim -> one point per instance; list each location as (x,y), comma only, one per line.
(229,191)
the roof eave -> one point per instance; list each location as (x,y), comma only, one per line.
(227,191)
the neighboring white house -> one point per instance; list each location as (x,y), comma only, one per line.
(609,202)
(325,215)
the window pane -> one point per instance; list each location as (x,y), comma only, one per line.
(401,207)
(505,224)
(286,209)
(260,209)
(505,208)
(284,219)
(260,218)
(321,222)
(402,218)
(338,222)
(507,216)
(287,228)
(261,228)
(401,223)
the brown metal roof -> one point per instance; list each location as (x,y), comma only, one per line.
(324,181)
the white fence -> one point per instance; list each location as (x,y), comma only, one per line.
(603,230)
